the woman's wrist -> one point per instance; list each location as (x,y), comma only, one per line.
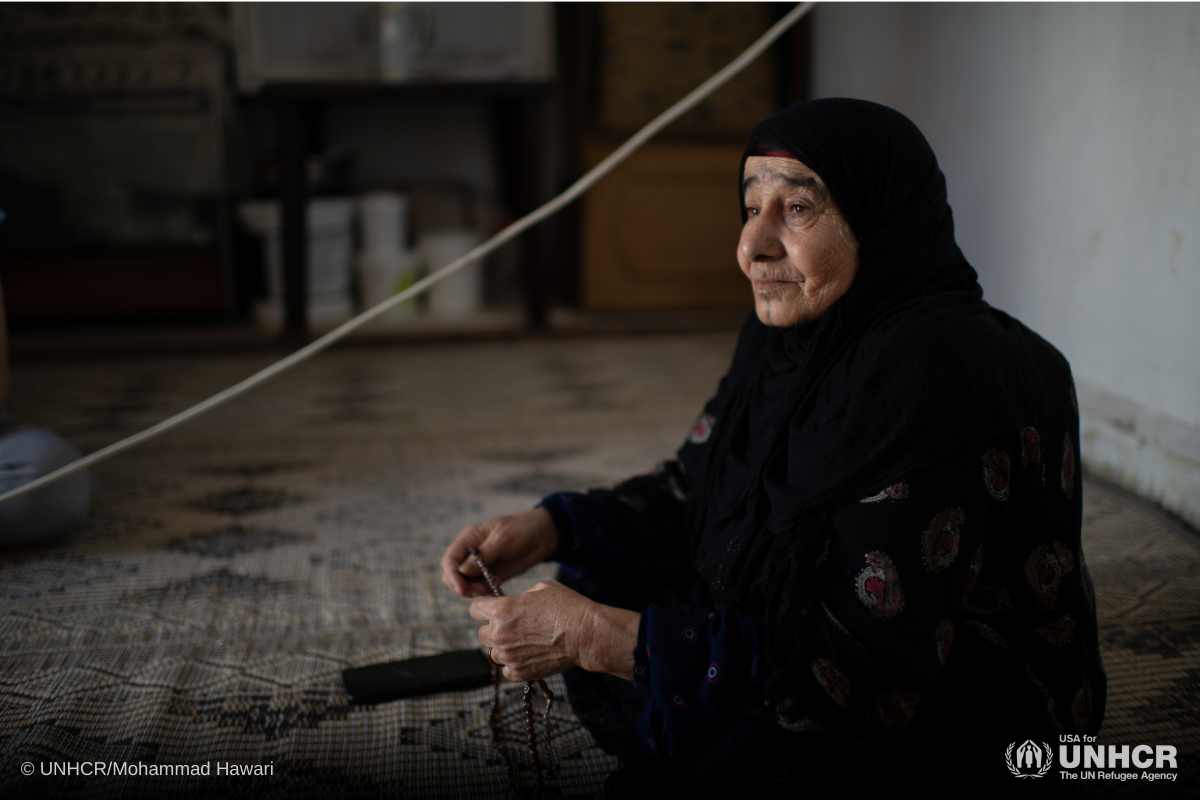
(609,640)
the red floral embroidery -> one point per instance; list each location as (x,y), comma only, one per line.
(897,491)
(1031,446)
(832,680)
(895,709)
(1045,569)
(702,429)
(879,586)
(876,587)
(799,724)
(1068,466)
(792,720)
(941,539)
(1058,632)
(943,638)
(996,469)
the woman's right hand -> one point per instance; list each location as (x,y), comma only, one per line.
(508,545)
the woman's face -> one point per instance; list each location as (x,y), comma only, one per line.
(796,247)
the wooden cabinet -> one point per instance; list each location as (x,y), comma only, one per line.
(661,231)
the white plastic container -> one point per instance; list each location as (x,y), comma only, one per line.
(330,252)
(385,264)
(384,220)
(460,294)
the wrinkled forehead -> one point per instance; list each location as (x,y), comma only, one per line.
(773,172)
(769,165)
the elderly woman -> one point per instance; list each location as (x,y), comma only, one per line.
(867,552)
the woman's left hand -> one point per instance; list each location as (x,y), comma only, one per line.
(551,628)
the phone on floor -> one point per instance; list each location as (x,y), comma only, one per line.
(377,683)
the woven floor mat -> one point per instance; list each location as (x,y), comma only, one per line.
(232,568)
(1146,571)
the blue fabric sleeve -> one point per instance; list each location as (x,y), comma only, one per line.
(701,670)
(589,536)
(606,525)
(588,531)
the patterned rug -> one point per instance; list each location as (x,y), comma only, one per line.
(233,568)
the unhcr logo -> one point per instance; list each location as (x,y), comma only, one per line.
(1032,761)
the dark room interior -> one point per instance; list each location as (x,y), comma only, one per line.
(191,192)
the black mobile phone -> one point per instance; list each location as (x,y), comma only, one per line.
(459,669)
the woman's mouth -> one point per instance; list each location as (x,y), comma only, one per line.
(767,286)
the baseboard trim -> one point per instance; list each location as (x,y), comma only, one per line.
(1154,456)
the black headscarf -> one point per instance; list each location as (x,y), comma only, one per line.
(905,368)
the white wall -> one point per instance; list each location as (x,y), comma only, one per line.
(1070,136)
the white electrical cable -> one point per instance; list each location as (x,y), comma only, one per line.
(500,239)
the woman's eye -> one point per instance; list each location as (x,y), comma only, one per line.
(796,208)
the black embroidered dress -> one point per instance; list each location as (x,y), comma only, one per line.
(871,537)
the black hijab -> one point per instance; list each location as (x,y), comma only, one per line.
(905,368)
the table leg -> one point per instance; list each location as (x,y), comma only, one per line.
(293,202)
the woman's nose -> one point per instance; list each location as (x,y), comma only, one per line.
(759,241)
